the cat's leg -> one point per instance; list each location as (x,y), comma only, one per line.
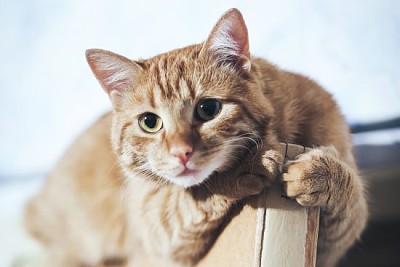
(253,174)
(321,178)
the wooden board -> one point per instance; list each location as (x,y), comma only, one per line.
(269,231)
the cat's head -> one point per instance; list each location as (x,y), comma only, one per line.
(184,114)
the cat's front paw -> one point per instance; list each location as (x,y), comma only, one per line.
(258,171)
(314,178)
(272,163)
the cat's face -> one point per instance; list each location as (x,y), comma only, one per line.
(185,120)
(182,115)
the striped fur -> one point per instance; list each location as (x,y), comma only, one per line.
(123,201)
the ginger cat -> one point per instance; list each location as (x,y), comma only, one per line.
(182,126)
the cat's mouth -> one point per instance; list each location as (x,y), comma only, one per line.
(196,171)
(189,177)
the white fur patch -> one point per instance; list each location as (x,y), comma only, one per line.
(223,44)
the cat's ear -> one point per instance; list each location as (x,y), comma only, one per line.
(228,42)
(115,73)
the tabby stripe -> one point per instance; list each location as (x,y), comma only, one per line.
(337,216)
(164,213)
(122,136)
(181,68)
(170,86)
(160,79)
(178,215)
(244,108)
(178,88)
(158,76)
(149,196)
(339,233)
(151,98)
(165,80)
(339,220)
(191,88)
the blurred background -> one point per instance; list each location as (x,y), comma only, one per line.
(48,94)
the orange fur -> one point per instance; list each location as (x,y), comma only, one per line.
(130,198)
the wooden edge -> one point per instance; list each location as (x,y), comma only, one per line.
(260,228)
(285,230)
(305,219)
(312,236)
(313,213)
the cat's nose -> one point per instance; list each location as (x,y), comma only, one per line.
(181,151)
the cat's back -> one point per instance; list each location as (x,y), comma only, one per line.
(304,112)
(81,196)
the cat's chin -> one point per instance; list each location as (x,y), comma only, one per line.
(189,178)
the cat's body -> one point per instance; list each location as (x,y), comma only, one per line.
(144,194)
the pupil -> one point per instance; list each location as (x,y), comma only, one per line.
(150,121)
(209,108)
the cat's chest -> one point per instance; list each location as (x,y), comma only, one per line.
(141,197)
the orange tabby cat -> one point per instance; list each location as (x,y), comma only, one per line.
(182,126)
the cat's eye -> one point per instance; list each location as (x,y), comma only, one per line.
(208,109)
(150,122)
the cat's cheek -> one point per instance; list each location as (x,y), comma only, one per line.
(126,158)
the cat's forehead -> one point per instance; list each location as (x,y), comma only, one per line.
(167,82)
(182,75)
(173,76)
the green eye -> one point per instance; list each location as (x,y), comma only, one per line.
(150,123)
(208,109)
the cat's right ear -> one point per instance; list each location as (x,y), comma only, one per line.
(115,73)
(228,41)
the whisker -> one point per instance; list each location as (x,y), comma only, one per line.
(254,139)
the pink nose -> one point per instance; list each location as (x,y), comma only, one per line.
(182,152)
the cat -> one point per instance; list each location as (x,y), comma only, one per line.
(182,126)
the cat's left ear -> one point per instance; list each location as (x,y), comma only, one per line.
(116,74)
(228,42)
